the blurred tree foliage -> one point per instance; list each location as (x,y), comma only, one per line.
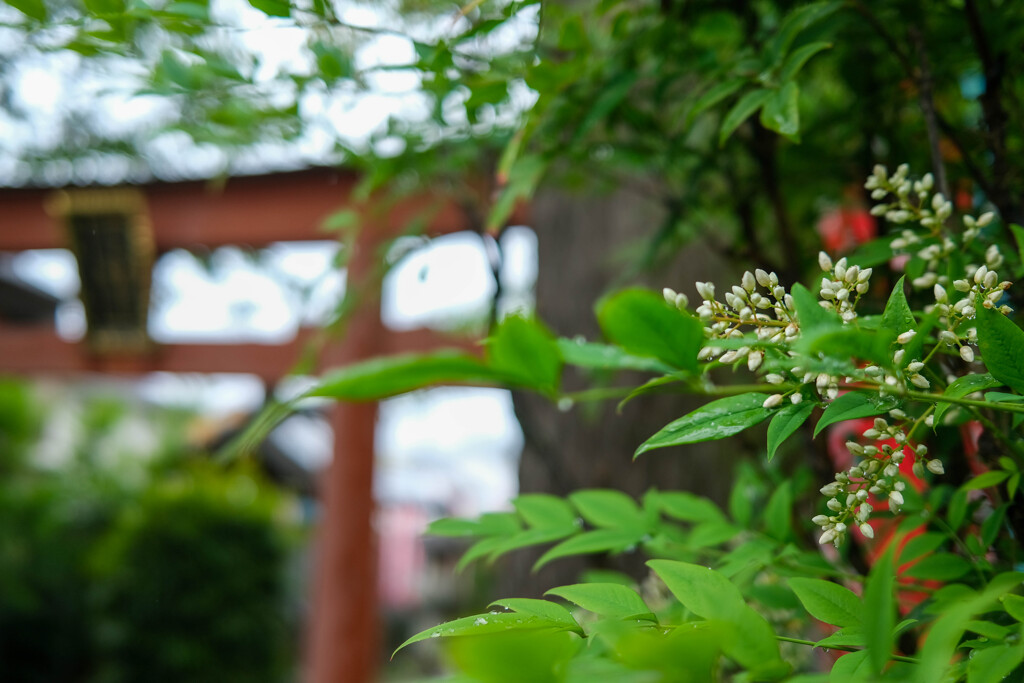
(107,576)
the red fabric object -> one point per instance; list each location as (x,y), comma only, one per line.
(842,229)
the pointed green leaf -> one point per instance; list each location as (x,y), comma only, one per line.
(273,8)
(785,422)
(1002,347)
(608,508)
(1018,237)
(880,610)
(986,479)
(589,542)
(529,537)
(712,97)
(479,624)
(702,590)
(781,112)
(961,387)
(544,609)
(897,315)
(921,545)
(489,524)
(741,111)
(853,405)
(607,357)
(687,506)
(994,664)
(794,22)
(777,512)
(525,352)
(847,637)
(1014,606)
(642,323)
(828,602)
(33,9)
(541,510)
(810,312)
(800,56)
(605,599)
(715,420)
(392,375)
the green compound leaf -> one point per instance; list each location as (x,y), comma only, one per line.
(607,357)
(828,602)
(785,422)
(606,599)
(1002,347)
(642,323)
(716,420)
(961,387)
(853,405)
(480,624)
(392,375)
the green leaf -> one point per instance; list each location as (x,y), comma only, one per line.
(525,352)
(608,509)
(642,323)
(846,342)
(489,524)
(1002,347)
(609,98)
(392,375)
(527,538)
(796,21)
(940,567)
(994,664)
(687,506)
(847,637)
(828,602)
(607,357)
(702,590)
(741,111)
(605,599)
(33,9)
(479,624)
(961,387)
(880,610)
(920,545)
(897,315)
(800,56)
(777,512)
(853,405)
(716,94)
(986,479)
(871,254)
(544,609)
(809,311)
(523,178)
(1014,606)
(540,510)
(715,420)
(1018,237)
(599,541)
(273,8)
(781,112)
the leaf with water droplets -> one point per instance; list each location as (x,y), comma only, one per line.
(715,420)
(544,609)
(606,600)
(479,624)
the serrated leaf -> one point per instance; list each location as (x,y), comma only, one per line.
(640,322)
(800,56)
(781,112)
(1002,347)
(607,357)
(544,609)
(880,610)
(853,405)
(785,423)
(713,96)
(605,599)
(392,375)
(479,624)
(961,387)
(715,420)
(828,602)
(608,508)
(525,352)
(746,107)
(598,541)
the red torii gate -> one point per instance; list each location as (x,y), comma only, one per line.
(256,211)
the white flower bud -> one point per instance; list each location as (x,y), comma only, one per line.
(669,294)
(796,398)
(866,529)
(754,359)
(830,489)
(919,381)
(827,537)
(916,366)
(682,301)
(773,401)
(706,290)
(820,520)
(834,505)
(824,262)
(896,497)
(967,353)
(935,467)
(897,357)
(773,378)
(940,294)
(762,278)
(985,218)
(906,336)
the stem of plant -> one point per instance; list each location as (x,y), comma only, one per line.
(843,648)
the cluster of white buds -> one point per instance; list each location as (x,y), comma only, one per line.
(981,284)
(973,226)
(906,201)
(841,291)
(758,302)
(876,473)
(677,299)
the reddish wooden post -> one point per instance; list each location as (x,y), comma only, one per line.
(344,639)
